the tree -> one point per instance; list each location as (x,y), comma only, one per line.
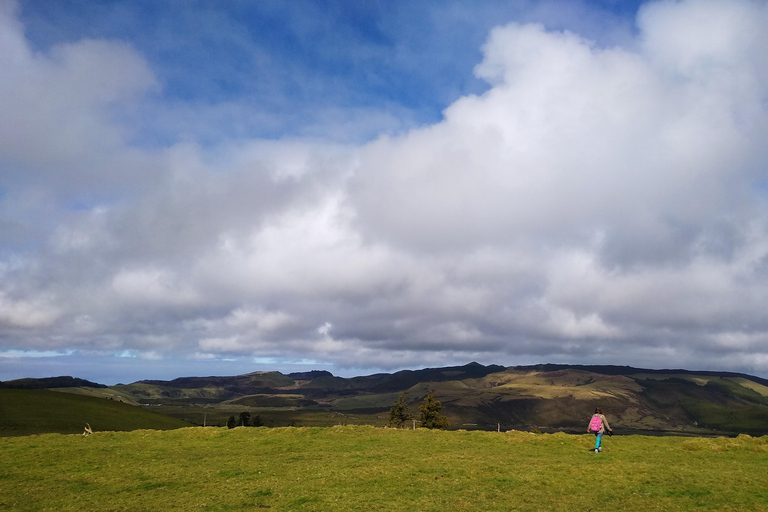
(429,412)
(399,412)
(245,419)
(256,421)
(231,423)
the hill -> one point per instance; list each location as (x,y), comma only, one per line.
(35,411)
(545,397)
(48,383)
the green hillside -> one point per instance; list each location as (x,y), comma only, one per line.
(475,397)
(27,411)
(49,382)
(542,397)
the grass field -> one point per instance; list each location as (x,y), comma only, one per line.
(37,411)
(370,469)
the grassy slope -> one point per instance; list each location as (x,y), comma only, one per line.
(24,412)
(107,393)
(369,469)
(565,398)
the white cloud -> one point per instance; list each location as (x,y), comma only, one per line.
(232,344)
(55,105)
(706,38)
(642,174)
(27,314)
(259,319)
(152,286)
(572,139)
(151,356)
(596,204)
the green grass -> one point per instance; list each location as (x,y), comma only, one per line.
(728,419)
(371,469)
(27,411)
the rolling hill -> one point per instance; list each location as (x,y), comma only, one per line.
(544,397)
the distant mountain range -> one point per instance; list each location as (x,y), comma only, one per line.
(546,397)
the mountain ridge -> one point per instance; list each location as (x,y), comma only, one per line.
(544,397)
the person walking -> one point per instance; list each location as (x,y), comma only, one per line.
(598,425)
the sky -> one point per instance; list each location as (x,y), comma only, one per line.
(192,188)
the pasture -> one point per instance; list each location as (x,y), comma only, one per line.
(39,411)
(369,469)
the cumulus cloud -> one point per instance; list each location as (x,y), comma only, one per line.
(597,204)
(26,313)
(56,105)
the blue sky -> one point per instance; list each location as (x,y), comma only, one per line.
(192,188)
(289,62)
(297,64)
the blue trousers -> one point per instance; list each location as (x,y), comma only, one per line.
(598,440)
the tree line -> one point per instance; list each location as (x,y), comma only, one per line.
(429,412)
(245,420)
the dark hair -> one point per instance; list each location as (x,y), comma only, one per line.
(598,411)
